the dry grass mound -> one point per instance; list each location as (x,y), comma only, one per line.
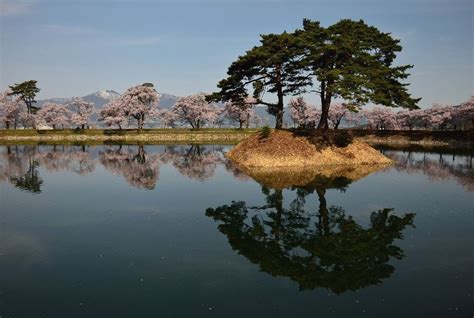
(303,149)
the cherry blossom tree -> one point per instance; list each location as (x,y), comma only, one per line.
(54,115)
(336,113)
(113,114)
(168,118)
(410,118)
(381,118)
(195,110)
(140,102)
(241,112)
(440,116)
(81,112)
(303,114)
(12,110)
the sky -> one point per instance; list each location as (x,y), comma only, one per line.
(74,47)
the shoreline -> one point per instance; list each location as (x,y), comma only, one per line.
(425,139)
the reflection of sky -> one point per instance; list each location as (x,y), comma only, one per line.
(103,236)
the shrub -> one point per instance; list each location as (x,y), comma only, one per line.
(265,132)
(342,139)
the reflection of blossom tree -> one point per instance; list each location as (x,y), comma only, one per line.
(196,162)
(20,167)
(139,169)
(436,167)
(235,171)
(20,163)
(325,249)
(76,159)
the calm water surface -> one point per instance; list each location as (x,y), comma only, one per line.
(177,231)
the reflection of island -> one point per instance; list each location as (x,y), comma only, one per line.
(325,248)
(140,169)
(436,166)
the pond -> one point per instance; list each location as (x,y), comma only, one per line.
(178,231)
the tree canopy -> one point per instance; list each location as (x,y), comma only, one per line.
(27,92)
(274,66)
(349,60)
(353,61)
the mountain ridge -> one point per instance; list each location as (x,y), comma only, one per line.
(100,98)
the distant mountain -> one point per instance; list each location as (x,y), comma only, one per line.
(167,100)
(101,98)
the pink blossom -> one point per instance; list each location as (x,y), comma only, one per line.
(168,118)
(440,116)
(241,112)
(381,118)
(53,115)
(410,118)
(196,111)
(303,114)
(113,114)
(337,113)
(82,112)
(13,111)
(140,102)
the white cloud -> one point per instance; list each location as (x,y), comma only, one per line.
(12,7)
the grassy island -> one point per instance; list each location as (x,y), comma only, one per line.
(304,149)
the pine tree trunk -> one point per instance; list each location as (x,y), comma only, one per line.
(279,107)
(325,103)
(323,122)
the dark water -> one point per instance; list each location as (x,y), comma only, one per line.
(176,231)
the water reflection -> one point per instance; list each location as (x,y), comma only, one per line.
(139,168)
(323,248)
(195,162)
(437,166)
(140,165)
(19,166)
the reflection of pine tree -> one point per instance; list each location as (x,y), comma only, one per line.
(20,164)
(31,180)
(20,167)
(324,249)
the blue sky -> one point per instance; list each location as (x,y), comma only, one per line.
(75,47)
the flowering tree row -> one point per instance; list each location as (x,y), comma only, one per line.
(438,117)
(14,113)
(194,111)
